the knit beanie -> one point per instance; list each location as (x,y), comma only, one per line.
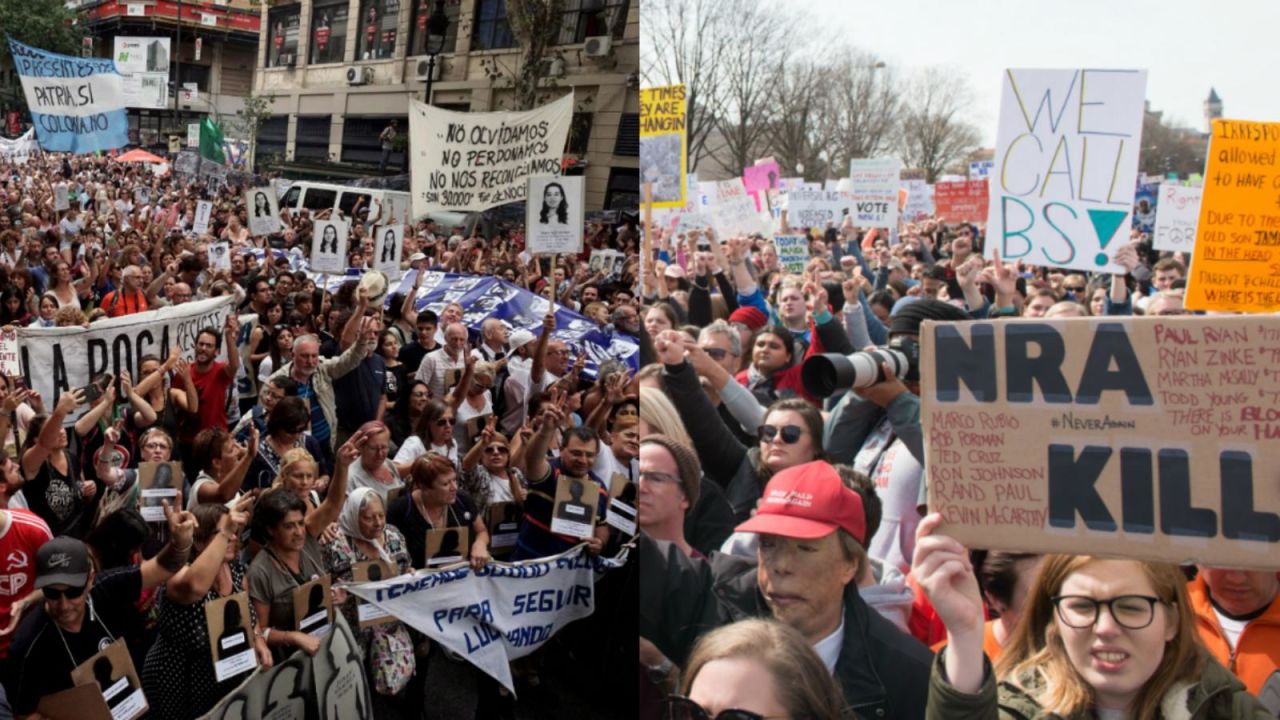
(907,319)
(686,462)
(749,316)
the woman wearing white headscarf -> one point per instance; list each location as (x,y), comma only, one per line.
(388,649)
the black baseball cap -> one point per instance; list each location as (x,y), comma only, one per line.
(62,561)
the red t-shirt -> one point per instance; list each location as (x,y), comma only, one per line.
(212,387)
(18,546)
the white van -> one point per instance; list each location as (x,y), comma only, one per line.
(318,197)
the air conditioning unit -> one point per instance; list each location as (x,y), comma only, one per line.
(287,60)
(555,67)
(599,46)
(423,67)
(357,75)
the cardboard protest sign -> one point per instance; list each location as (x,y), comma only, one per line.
(621,512)
(1065,165)
(112,670)
(55,360)
(663,163)
(368,614)
(446,546)
(230,636)
(574,513)
(1176,216)
(9,366)
(388,247)
(733,211)
(1149,437)
(219,256)
(1145,203)
(475,161)
(264,214)
(82,702)
(815,208)
(874,186)
(158,482)
(961,201)
(793,252)
(204,210)
(603,261)
(313,607)
(553,215)
(329,246)
(499,613)
(503,521)
(77,104)
(1236,266)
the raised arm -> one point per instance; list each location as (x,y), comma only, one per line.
(173,556)
(230,332)
(192,582)
(536,452)
(232,480)
(328,511)
(350,331)
(91,416)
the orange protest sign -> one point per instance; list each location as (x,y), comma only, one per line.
(1236,266)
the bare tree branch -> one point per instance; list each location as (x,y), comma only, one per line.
(935,129)
(683,44)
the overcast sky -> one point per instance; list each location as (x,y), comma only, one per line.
(1187,46)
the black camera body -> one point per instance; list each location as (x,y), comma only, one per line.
(826,374)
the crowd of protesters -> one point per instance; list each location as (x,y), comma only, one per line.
(790,566)
(339,436)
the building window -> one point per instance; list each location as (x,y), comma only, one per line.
(377,29)
(628,142)
(282,37)
(273,137)
(418,30)
(328,33)
(198,74)
(360,140)
(580,133)
(311,140)
(623,191)
(492,31)
(591,18)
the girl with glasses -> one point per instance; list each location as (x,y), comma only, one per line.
(755,670)
(1099,638)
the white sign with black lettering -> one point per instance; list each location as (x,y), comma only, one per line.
(204,209)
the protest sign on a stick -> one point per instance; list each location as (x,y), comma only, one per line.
(1065,167)
(874,186)
(815,208)
(1176,216)
(553,215)
(204,209)
(662,144)
(388,246)
(328,246)
(961,201)
(733,211)
(475,161)
(1236,267)
(77,104)
(793,252)
(264,213)
(1144,437)
(919,203)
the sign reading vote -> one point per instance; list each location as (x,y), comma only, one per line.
(1066,165)
(1236,266)
(1150,437)
(875,192)
(77,104)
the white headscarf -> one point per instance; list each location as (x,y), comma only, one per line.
(349,520)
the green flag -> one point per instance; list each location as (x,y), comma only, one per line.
(211,141)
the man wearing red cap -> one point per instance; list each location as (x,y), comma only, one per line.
(809,557)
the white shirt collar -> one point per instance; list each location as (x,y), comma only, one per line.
(828,648)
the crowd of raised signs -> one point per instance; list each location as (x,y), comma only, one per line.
(789,563)
(351,431)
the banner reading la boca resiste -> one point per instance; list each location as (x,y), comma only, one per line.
(77,104)
(475,161)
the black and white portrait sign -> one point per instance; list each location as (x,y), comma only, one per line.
(553,215)
(264,215)
(388,245)
(329,246)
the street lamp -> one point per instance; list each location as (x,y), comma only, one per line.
(437,26)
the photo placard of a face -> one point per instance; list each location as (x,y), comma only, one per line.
(503,521)
(230,636)
(112,669)
(622,504)
(388,247)
(264,215)
(446,546)
(313,608)
(159,481)
(574,512)
(329,246)
(367,613)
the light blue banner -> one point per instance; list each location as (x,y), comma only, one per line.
(77,104)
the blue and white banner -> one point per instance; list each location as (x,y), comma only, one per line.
(77,104)
(500,613)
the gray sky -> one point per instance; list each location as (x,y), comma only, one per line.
(1186,45)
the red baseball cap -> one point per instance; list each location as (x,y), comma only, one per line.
(808,501)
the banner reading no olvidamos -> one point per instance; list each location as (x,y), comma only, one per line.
(1147,437)
(475,161)
(55,360)
(553,215)
(77,104)
(497,614)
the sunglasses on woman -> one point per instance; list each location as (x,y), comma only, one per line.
(682,708)
(790,433)
(495,450)
(444,421)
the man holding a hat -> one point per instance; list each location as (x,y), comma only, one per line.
(811,526)
(82,614)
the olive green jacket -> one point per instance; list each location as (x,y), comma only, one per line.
(1217,696)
